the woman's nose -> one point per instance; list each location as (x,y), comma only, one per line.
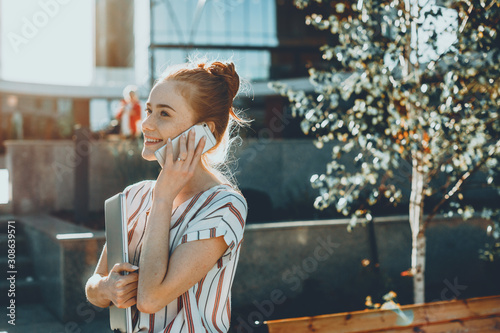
(147,124)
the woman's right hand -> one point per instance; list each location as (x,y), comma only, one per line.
(122,289)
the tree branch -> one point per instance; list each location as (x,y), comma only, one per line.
(459,183)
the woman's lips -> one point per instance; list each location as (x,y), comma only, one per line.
(152,141)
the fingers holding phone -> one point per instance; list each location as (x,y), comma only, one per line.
(177,172)
(201,130)
(188,157)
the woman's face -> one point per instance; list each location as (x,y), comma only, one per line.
(167,115)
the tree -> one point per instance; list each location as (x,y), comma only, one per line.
(402,97)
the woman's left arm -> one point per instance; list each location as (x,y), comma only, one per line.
(161,280)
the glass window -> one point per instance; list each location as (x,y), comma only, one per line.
(218,22)
(247,23)
(250,64)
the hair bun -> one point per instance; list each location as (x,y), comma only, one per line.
(228,73)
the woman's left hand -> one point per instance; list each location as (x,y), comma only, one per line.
(175,174)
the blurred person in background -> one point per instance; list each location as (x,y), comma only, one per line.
(129,113)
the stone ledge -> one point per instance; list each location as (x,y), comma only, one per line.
(48,143)
(64,257)
(454,220)
(56,228)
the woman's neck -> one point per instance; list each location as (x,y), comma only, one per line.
(202,180)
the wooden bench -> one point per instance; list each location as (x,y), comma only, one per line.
(480,315)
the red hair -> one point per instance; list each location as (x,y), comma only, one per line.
(210,88)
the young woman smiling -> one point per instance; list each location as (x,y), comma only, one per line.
(186,227)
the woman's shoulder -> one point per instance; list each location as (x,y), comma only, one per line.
(226,193)
(143,186)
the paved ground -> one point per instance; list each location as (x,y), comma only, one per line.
(35,318)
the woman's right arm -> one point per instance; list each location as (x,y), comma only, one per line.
(102,288)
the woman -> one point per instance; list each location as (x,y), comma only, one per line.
(185,229)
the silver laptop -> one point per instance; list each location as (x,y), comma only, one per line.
(117,248)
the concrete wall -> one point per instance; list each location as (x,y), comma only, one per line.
(281,168)
(42,172)
(64,257)
(36,182)
(291,269)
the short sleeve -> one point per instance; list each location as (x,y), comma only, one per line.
(136,198)
(224,216)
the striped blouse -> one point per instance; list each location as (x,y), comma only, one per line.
(206,306)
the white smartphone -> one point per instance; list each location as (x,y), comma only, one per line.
(201,130)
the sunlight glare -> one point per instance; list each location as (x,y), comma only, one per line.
(47,41)
(4,186)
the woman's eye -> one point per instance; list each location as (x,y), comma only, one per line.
(162,113)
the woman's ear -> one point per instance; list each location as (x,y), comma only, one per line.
(211,125)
